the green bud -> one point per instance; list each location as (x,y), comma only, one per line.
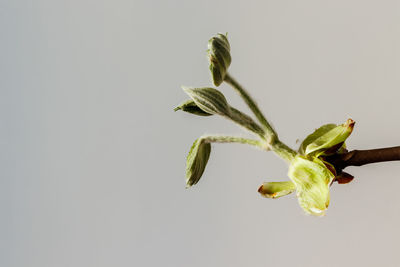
(210,100)
(276,189)
(327,137)
(219,57)
(312,182)
(191,107)
(196,161)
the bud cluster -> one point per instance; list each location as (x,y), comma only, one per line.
(310,172)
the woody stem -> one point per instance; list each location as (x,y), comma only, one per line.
(363,157)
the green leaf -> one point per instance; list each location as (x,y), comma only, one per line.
(196,161)
(312,182)
(330,138)
(276,189)
(210,100)
(191,107)
(316,134)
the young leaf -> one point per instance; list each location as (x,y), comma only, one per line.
(316,134)
(191,107)
(196,161)
(210,100)
(331,138)
(312,182)
(276,189)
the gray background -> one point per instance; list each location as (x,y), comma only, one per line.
(93,157)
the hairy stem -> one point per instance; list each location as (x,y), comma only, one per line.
(247,122)
(270,136)
(252,105)
(283,151)
(231,139)
(362,157)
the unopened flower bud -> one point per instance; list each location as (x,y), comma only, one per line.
(210,100)
(196,161)
(219,57)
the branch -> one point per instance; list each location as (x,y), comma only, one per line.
(362,157)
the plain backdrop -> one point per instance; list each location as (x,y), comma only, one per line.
(92,156)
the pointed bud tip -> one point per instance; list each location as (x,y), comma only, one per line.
(260,189)
(350,123)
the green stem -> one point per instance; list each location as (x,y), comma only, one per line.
(252,105)
(283,151)
(232,139)
(247,122)
(270,137)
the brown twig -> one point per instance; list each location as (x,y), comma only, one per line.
(362,157)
